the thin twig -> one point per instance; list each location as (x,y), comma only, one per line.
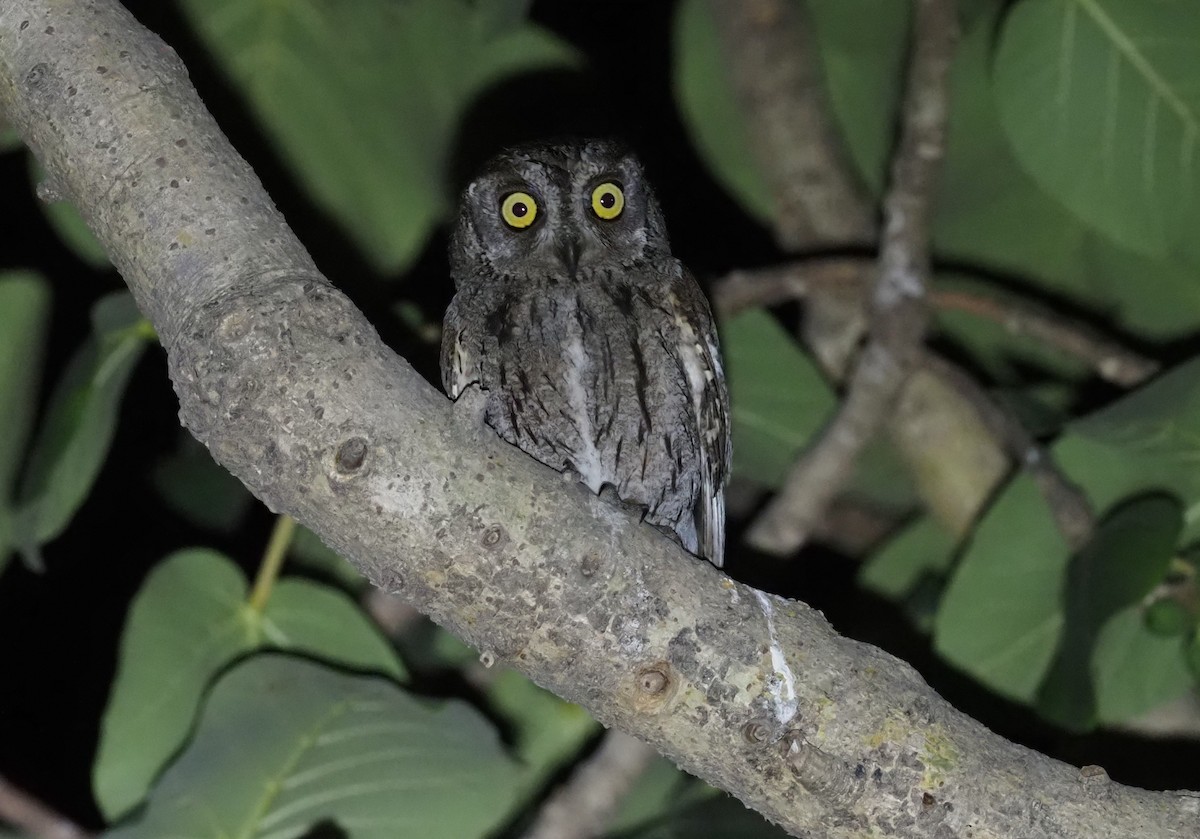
(802,279)
(1113,362)
(583,806)
(31,816)
(775,70)
(393,615)
(834,290)
(1068,505)
(272,561)
(811,278)
(899,305)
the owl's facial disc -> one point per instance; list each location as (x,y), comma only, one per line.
(559,211)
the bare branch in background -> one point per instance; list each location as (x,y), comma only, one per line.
(24,812)
(1071,510)
(953,456)
(899,306)
(777,79)
(937,414)
(583,806)
(776,76)
(807,278)
(1109,359)
(792,281)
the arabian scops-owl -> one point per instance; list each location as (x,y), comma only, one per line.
(594,347)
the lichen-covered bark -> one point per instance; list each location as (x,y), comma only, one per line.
(292,390)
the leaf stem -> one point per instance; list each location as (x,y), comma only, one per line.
(272,561)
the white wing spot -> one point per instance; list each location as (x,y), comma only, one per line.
(587,460)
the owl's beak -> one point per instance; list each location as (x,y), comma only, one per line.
(568,253)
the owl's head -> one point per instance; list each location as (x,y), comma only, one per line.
(558,209)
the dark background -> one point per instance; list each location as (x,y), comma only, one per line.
(62,627)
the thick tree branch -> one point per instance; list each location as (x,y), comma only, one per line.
(899,306)
(292,390)
(776,75)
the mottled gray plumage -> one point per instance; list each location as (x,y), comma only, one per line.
(594,346)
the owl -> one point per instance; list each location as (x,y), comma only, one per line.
(594,348)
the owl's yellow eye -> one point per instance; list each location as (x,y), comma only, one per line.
(518,209)
(608,201)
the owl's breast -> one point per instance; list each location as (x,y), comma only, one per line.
(593,379)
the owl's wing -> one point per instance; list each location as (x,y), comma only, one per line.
(710,399)
(460,366)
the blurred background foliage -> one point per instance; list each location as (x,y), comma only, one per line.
(149,622)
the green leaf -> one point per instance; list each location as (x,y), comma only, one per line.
(881,477)
(199,489)
(709,109)
(75,435)
(778,396)
(308,550)
(1191,655)
(921,549)
(190,620)
(323,622)
(284,744)
(498,15)
(24,315)
(989,212)
(69,224)
(1168,307)
(1135,671)
(547,731)
(9,139)
(1002,614)
(862,44)
(1101,100)
(348,91)
(992,216)
(1146,442)
(1168,618)
(1128,555)
(660,790)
